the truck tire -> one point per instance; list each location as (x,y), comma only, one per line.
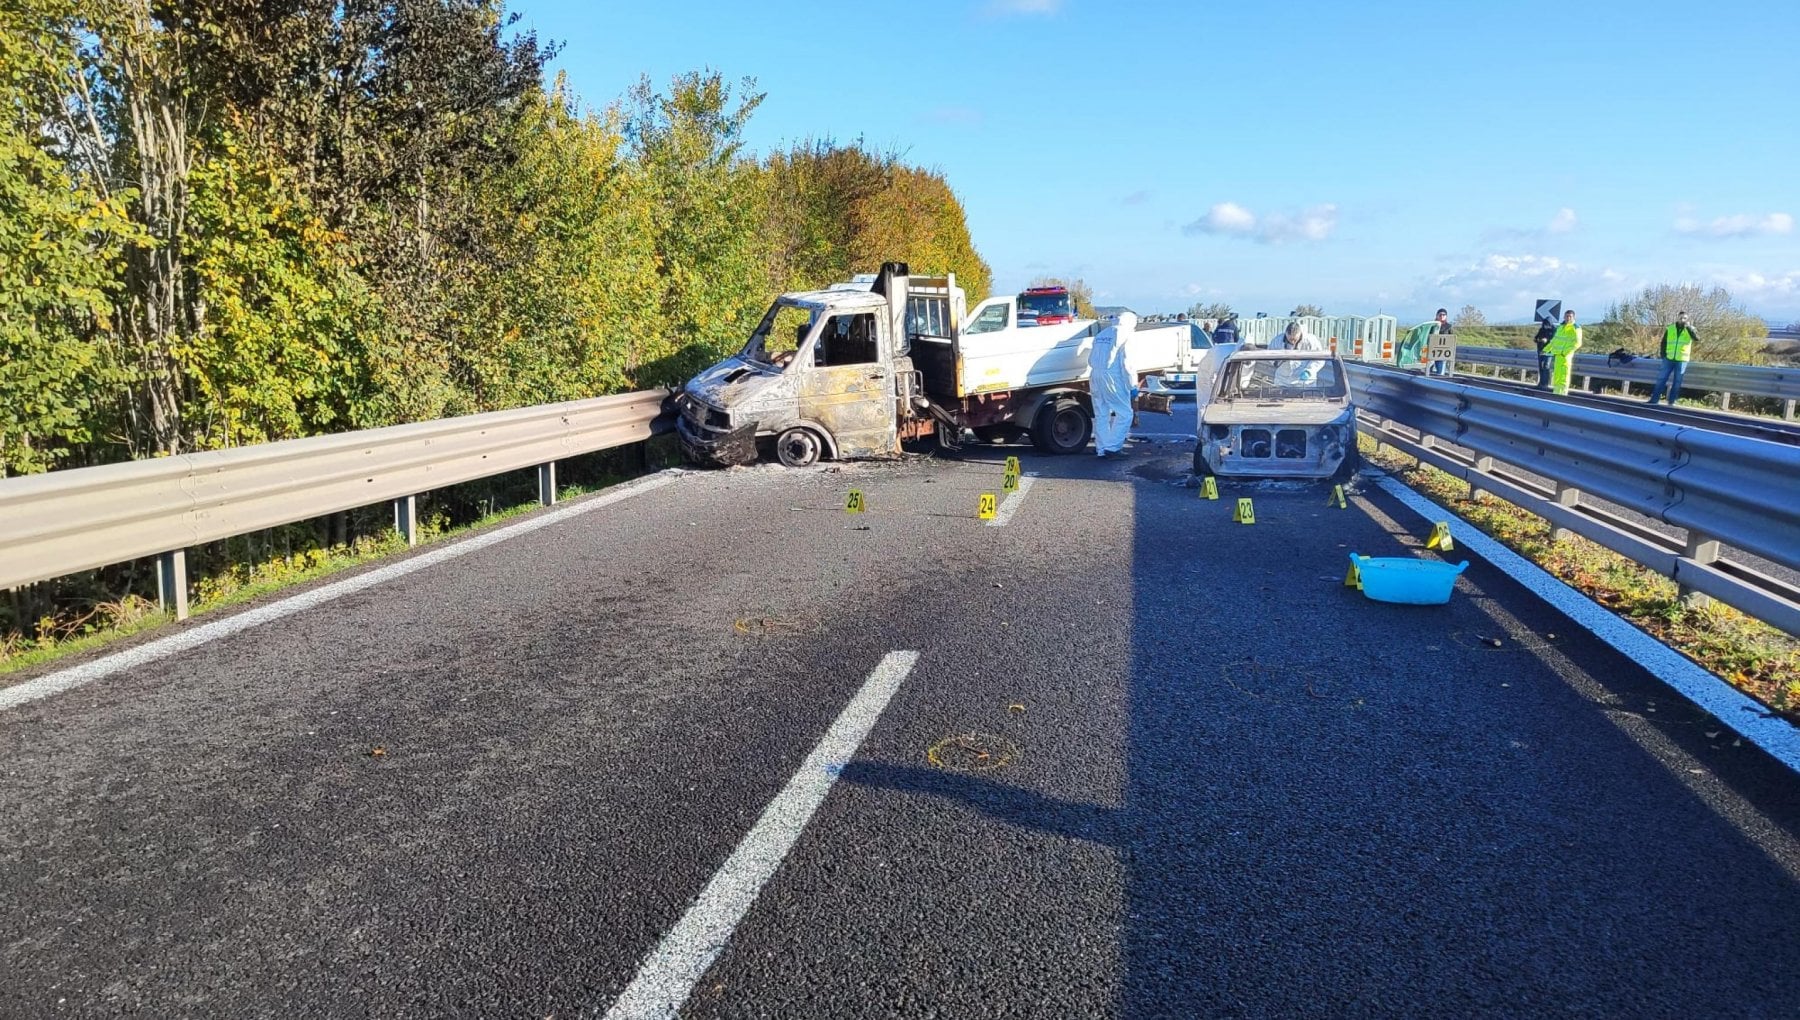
(1062,426)
(798,447)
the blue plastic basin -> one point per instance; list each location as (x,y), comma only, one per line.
(1406,580)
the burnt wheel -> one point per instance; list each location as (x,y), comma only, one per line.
(798,448)
(1201,467)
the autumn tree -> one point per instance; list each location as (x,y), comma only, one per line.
(1725,332)
(916,218)
(813,193)
(62,242)
(704,200)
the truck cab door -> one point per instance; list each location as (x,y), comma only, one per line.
(848,384)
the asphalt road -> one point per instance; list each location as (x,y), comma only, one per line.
(1216,783)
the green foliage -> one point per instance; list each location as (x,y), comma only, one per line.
(571,296)
(61,249)
(704,200)
(1307,310)
(1205,311)
(1470,318)
(231,221)
(284,319)
(813,194)
(916,218)
(1725,331)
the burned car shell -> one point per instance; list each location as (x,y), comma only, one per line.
(1306,430)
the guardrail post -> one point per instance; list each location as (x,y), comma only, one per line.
(1483,465)
(171,583)
(1724,401)
(547,484)
(1702,550)
(1569,496)
(406,518)
(1787,409)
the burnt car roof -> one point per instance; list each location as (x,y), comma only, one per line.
(1283,355)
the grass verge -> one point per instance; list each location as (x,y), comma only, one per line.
(1752,656)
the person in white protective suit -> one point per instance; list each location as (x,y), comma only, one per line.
(1111,384)
(1297,338)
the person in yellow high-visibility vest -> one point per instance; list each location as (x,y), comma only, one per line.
(1677,351)
(1562,348)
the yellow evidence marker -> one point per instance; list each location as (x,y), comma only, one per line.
(1440,537)
(1209,487)
(1011,481)
(854,504)
(1012,465)
(1337,498)
(1246,512)
(985,509)
(1353,577)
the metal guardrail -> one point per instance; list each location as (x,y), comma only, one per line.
(1706,376)
(67,521)
(1718,488)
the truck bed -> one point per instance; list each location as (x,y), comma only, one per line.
(1032,357)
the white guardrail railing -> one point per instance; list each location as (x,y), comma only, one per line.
(63,522)
(1782,384)
(1546,455)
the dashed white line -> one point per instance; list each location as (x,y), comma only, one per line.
(1728,704)
(668,974)
(1010,505)
(75,676)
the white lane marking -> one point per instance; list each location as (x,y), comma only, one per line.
(1010,505)
(75,676)
(1729,705)
(668,973)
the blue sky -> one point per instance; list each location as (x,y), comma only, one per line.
(1367,157)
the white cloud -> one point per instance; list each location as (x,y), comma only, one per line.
(1505,286)
(1232,220)
(1224,218)
(1772,294)
(1039,8)
(1135,198)
(1740,225)
(1563,221)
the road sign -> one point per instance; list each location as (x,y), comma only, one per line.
(1440,347)
(1549,310)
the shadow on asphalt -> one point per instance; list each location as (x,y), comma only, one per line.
(1334,807)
